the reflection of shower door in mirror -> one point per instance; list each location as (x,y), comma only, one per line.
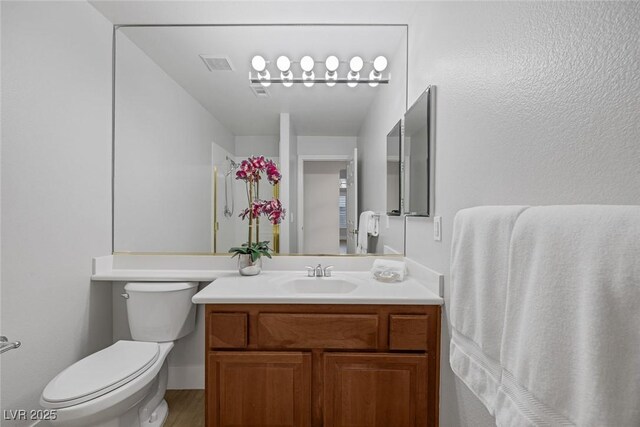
(223,226)
(352,203)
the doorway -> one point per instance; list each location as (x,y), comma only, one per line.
(327,202)
(324,209)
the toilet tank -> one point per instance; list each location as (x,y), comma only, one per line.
(160,311)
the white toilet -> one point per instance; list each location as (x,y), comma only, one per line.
(124,384)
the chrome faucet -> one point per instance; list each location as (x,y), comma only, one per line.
(327,271)
(318,271)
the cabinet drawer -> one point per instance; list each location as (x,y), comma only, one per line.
(332,331)
(227,330)
(409,332)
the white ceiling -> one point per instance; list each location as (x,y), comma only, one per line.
(249,12)
(320,110)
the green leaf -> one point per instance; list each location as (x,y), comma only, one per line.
(239,250)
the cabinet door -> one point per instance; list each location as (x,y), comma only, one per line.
(375,390)
(258,389)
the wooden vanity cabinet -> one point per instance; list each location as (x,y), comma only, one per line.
(322,365)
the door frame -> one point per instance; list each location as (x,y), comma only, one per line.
(311,158)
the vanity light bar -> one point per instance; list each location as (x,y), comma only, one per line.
(299,80)
(284,75)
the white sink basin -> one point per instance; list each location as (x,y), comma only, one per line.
(318,285)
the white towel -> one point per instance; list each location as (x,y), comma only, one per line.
(386,267)
(571,342)
(373,226)
(479,268)
(363,232)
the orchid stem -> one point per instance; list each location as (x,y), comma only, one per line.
(257,218)
(250,213)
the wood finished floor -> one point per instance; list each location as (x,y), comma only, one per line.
(186,408)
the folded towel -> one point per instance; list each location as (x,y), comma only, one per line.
(388,270)
(363,232)
(571,341)
(373,225)
(479,268)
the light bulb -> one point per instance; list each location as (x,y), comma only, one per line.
(283,63)
(374,75)
(258,63)
(331,76)
(332,63)
(356,64)
(288,76)
(307,63)
(308,75)
(264,76)
(353,76)
(380,64)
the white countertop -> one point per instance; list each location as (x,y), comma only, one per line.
(126,275)
(267,288)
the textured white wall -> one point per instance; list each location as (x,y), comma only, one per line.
(163,159)
(56,213)
(537,103)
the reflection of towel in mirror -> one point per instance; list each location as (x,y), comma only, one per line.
(373,225)
(366,227)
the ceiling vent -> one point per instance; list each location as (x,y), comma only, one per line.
(259,90)
(216,63)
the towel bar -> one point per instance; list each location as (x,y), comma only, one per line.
(5,345)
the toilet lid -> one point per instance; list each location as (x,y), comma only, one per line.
(100,373)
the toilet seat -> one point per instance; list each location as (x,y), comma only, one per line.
(100,373)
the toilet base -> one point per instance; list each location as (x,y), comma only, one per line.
(158,416)
(140,403)
(130,419)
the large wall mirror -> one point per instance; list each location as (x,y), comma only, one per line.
(418,157)
(189,106)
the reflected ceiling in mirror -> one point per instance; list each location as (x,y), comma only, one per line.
(186,113)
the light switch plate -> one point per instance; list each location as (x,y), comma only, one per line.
(437,228)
